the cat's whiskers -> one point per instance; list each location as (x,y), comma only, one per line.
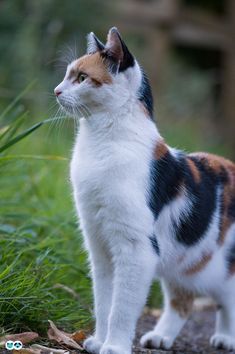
(55,124)
(87,110)
(70,54)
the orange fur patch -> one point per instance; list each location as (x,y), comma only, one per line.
(197,267)
(226,222)
(94,66)
(194,170)
(160,150)
(182,302)
(216,163)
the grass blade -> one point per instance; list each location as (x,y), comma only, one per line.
(32,157)
(26,133)
(20,136)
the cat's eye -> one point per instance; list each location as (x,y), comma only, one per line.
(81,78)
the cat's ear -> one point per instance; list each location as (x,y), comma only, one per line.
(117,50)
(94,44)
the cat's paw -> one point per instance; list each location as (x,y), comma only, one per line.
(153,340)
(113,349)
(92,345)
(222,341)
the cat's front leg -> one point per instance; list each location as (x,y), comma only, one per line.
(178,305)
(102,277)
(134,268)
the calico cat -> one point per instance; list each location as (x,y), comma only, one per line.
(146,210)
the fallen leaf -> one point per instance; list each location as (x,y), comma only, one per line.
(24,337)
(61,337)
(27,351)
(45,350)
(78,336)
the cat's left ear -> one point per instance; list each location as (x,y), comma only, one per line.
(117,51)
(94,44)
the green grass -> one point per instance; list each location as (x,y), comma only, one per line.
(39,238)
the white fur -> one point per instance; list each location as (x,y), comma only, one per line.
(110,174)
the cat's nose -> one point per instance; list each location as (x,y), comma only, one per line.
(57,92)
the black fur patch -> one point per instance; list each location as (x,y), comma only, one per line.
(128,59)
(155,244)
(231,257)
(231,209)
(203,196)
(223,176)
(145,94)
(167,176)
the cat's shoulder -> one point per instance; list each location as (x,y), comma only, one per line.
(217,165)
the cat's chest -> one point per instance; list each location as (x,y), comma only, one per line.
(109,173)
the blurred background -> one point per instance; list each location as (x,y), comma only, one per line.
(187,48)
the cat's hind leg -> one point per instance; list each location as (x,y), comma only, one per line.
(224,336)
(178,306)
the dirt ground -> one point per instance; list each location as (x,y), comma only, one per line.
(194,338)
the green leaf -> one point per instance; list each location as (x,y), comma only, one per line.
(20,136)
(27,132)
(32,157)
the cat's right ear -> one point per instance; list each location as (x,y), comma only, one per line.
(94,44)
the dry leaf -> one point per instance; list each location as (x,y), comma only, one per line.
(61,337)
(78,336)
(48,350)
(24,337)
(27,351)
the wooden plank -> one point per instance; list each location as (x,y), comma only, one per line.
(195,35)
(161,12)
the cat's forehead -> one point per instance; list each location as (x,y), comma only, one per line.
(93,65)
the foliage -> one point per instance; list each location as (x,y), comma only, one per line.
(38,38)
(39,239)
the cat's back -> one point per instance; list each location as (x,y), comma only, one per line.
(222,173)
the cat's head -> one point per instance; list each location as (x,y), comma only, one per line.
(104,79)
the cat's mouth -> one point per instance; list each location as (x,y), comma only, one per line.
(70,108)
(67,106)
